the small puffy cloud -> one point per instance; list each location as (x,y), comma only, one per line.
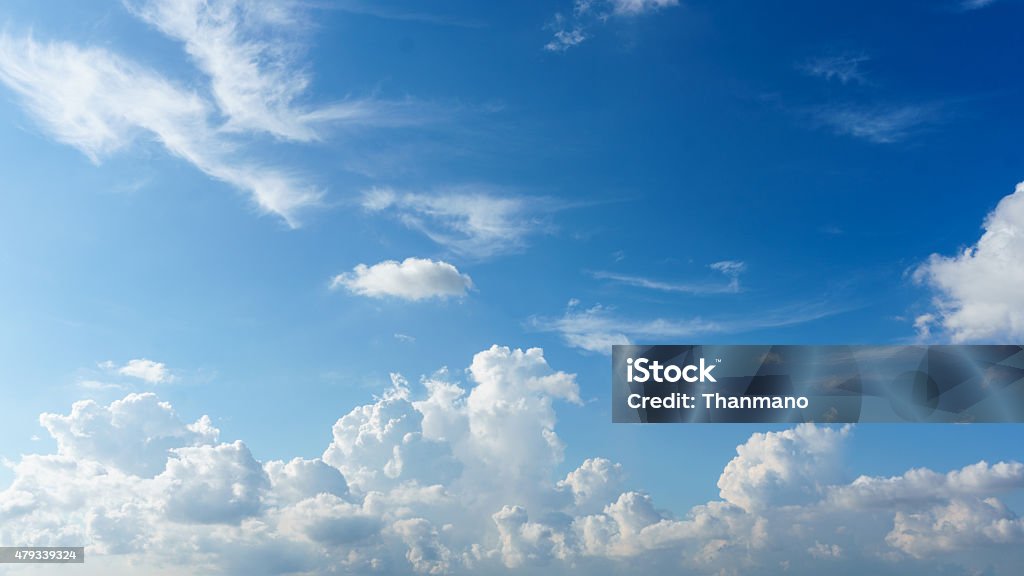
(146,370)
(412,279)
(977,292)
(820,550)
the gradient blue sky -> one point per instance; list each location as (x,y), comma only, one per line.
(822,151)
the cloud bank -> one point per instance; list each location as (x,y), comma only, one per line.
(463,479)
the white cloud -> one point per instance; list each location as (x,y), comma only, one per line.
(596,481)
(926,486)
(730,268)
(430,483)
(846,68)
(597,328)
(467,220)
(978,295)
(636,7)
(956,525)
(412,279)
(99,103)
(250,50)
(135,433)
(788,467)
(975,4)
(573,29)
(820,550)
(879,124)
(143,369)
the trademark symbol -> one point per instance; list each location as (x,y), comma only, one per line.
(718,360)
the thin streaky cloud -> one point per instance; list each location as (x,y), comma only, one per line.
(967,5)
(846,68)
(472,221)
(251,52)
(728,268)
(99,103)
(572,29)
(377,10)
(597,328)
(878,124)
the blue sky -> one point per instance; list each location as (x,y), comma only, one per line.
(203,203)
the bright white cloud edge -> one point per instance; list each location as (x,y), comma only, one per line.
(978,295)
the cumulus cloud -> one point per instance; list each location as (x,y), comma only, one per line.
(463,478)
(412,279)
(572,29)
(143,369)
(135,433)
(977,292)
(467,220)
(788,467)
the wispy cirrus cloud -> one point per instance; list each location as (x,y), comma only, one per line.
(573,28)
(597,328)
(251,52)
(472,221)
(967,5)
(881,124)
(730,268)
(99,103)
(846,68)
